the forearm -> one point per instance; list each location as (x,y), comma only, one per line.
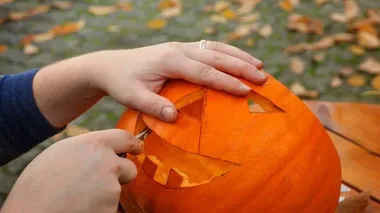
(65,90)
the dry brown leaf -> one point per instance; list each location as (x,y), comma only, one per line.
(165,4)
(246,7)
(68,28)
(354,204)
(368,40)
(297,66)
(62,5)
(319,58)
(250,42)
(229,14)
(240,32)
(2,20)
(3,48)
(210,30)
(376,82)
(266,31)
(40,9)
(300,90)
(343,37)
(321,2)
(339,17)
(374,16)
(356,80)
(43,37)
(336,82)
(370,65)
(171,12)
(113,28)
(216,18)
(157,24)
(305,24)
(364,25)
(322,44)
(221,6)
(346,71)
(101,10)
(351,9)
(249,18)
(297,48)
(27,40)
(286,5)
(30,49)
(124,6)
(3,2)
(357,50)
(18,16)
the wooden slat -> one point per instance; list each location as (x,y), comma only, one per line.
(358,122)
(347,192)
(359,167)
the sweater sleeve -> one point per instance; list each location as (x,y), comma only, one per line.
(22,125)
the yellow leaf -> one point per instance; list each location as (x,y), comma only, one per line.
(321,2)
(336,82)
(343,37)
(370,65)
(368,40)
(297,66)
(355,204)
(229,14)
(171,12)
(157,24)
(351,9)
(62,5)
(218,19)
(43,37)
(371,93)
(102,10)
(298,89)
(30,49)
(221,6)
(266,31)
(356,80)
(357,50)
(286,5)
(249,18)
(2,2)
(250,42)
(3,48)
(113,28)
(376,82)
(39,10)
(68,28)
(165,4)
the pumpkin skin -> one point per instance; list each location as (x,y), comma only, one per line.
(279,160)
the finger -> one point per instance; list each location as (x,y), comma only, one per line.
(226,63)
(127,171)
(119,140)
(232,51)
(203,74)
(152,104)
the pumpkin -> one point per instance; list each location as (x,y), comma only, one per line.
(264,152)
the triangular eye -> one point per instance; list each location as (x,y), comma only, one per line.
(192,104)
(259,104)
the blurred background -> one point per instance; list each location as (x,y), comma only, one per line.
(320,49)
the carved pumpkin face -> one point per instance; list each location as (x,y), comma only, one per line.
(265,152)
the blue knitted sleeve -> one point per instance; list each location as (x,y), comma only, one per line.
(22,125)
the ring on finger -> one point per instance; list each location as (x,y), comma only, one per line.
(202,44)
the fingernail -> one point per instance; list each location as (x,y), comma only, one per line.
(168,113)
(260,75)
(244,87)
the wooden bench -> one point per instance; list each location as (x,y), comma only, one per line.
(355,131)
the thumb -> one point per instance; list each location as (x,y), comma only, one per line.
(153,104)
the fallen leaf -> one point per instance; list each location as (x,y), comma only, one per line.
(286,5)
(3,48)
(246,7)
(374,16)
(240,32)
(27,40)
(357,50)
(207,8)
(371,93)
(3,2)
(354,204)
(171,12)
(101,10)
(125,6)
(297,66)
(343,37)
(339,17)
(165,4)
(322,44)
(363,25)
(297,48)
(62,5)
(113,28)
(336,82)
(30,49)
(356,80)
(210,30)
(68,28)
(266,31)
(40,9)
(321,2)
(319,58)
(18,16)
(351,9)
(250,42)
(368,40)
(346,71)
(229,14)
(43,37)
(157,24)
(249,18)
(305,24)
(216,18)
(2,20)
(370,65)
(300,90)
(376,82)
(221,6)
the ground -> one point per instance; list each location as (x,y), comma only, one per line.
(189,26)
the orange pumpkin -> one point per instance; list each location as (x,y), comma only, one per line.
(225,154)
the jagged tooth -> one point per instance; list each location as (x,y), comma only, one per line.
(162,174)
(175,179)
(149,167)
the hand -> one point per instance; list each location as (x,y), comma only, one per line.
(76,175)
(133,77)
